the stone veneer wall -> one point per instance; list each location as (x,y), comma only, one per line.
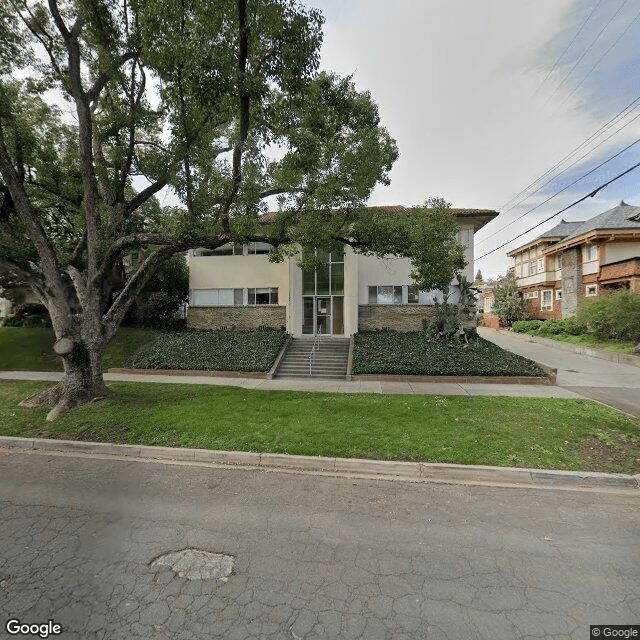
(400,317)
(571,280)
(237,317)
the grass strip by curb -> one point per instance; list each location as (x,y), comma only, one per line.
(527,432)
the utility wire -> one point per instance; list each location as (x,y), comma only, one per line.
(573,204)
(568,47)
(569,185)
(584,53)
(604,127)
(603,56)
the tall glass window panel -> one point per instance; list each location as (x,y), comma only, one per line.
(225,297)
(397,295)
(337,278)
(308,282)
(373,295)
(322,280)
(237,298)
(412,295)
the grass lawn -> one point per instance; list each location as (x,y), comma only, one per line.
(526,432)
(32,349)
(587,340)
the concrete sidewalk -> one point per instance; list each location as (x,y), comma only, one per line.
(332,386)
(615,384)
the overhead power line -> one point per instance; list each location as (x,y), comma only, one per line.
(557,193)
(584,53)
(604,55)
(607,125)
(573,204)
(578,32)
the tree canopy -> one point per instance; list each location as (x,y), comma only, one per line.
(106,103)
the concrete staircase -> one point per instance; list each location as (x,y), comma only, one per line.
(329,359)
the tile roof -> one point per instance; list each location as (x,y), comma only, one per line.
(561,230)
(623,216)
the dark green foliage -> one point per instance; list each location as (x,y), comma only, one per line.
(526,326)
(31,315)
(612,317)
(508,303)
(446,322)
(412,353)
(220,350)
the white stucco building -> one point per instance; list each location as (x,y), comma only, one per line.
(239,287)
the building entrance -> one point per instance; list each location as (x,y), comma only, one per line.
(323,315)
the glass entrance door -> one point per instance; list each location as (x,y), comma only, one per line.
(322,315)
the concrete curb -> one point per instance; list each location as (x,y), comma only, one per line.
(592,352)
(387,470)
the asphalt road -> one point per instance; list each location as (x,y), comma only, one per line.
(617,385)
(314,557)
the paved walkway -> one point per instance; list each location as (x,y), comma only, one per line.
(334,386)
(612,383)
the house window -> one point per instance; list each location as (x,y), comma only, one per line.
(547,300)
(262,296)
(257,248)
(525,269)
(558,294)
(558,262)
(540,265)
(412,295)
(328,280)
(591,253)
(216,298)
(488,304)
(533,267)
(385,294)
(591,290)
(529,295)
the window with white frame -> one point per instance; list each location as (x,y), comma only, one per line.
(533,267)
(385,294)
(591,290)
(540,265)
(488,304)
(265,295)
(558,294)
(591,252)
(558,261)
(525,269)
(547,299)
(529,295)
(216,298)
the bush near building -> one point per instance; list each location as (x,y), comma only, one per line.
(612,317)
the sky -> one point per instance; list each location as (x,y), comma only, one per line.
(485,96)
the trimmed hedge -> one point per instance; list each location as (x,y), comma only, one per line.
(219,350)
(413,353)
(551,327)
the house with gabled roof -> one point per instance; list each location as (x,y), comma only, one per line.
(577,260)
(237,286)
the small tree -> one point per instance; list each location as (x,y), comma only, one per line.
(479,279)
(508,304)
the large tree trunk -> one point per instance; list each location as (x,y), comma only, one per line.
(83,382)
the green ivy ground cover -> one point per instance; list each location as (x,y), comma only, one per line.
(219,350)
(412,353)
(543,433)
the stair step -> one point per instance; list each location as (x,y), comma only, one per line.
(329,359)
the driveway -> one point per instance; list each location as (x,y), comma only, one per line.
(617,385)
(314,558)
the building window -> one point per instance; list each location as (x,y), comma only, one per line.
(385,295)
(412,295)
(547,300)
(558,294)
(329,280)
(224,250)
(262,296)
(591,290)
(257,248)
(533,267)
(529,295)
(591,253)
(558,262)
(540,265)
(488,304)
(525,269)
(216,298)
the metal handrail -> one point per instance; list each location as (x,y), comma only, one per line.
(314,346)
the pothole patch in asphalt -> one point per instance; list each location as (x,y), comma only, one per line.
(197,564)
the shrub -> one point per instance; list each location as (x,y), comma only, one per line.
(446,322)
(612,317)
(508,304)
(525,326)
(30,315)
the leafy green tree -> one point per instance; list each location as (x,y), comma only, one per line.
(508,304)
(220,101)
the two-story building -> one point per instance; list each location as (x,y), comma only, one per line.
(576,260)
(237,286)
